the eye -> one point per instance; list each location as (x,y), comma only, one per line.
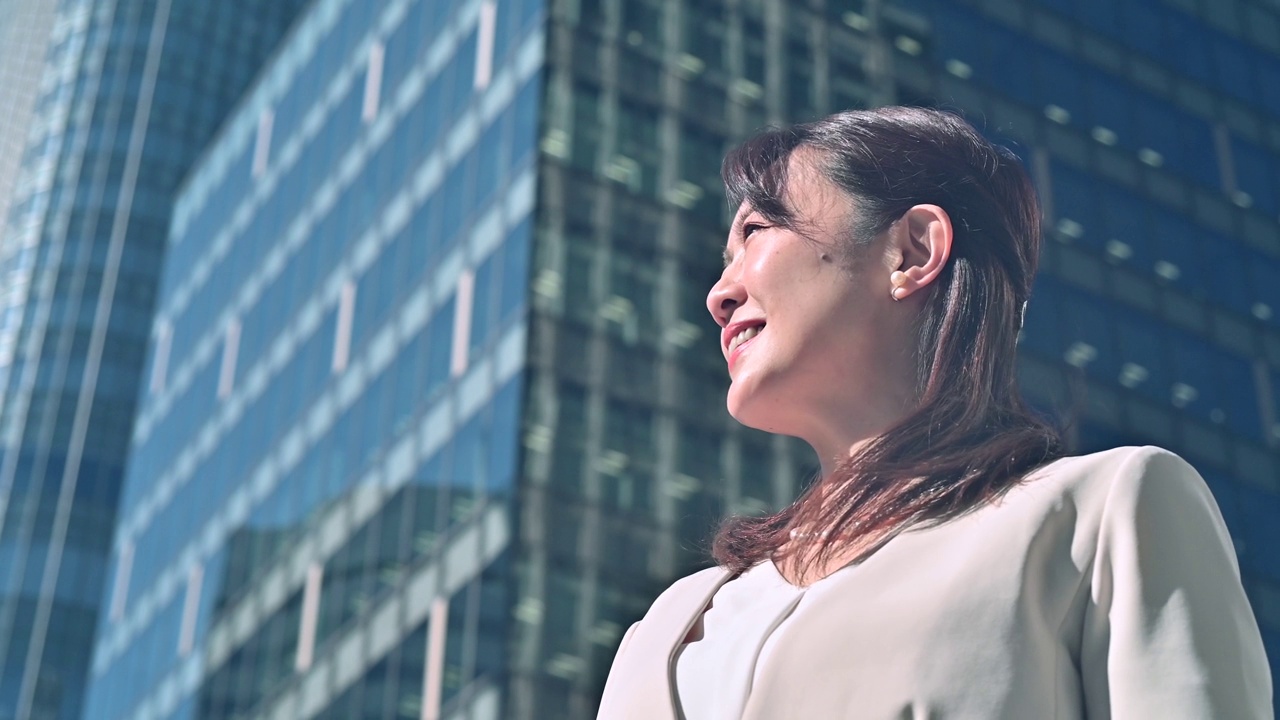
(748,229)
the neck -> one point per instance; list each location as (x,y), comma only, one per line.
(845,428)
(832,460)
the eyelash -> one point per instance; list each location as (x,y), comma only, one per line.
(747,230)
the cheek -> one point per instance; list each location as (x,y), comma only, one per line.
(837,333)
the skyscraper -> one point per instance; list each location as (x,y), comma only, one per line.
(116,110)
(435,409)
(24,38)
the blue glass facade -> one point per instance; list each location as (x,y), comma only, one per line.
(322,472)
(24,40)
(114,126)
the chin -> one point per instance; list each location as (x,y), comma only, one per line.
(736,410)
(753,411)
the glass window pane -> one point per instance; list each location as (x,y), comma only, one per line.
(1090,344)
(1234,66)
(1220,254)
(1099,15)
(1124,218)
(1075,203)
(1109,105)
(1155,127)
(1175,256)
(1255,168)
(1041,329)
(1008,66)
(1185,46)
(1060,82)
(1139,21)
(1143,354)
(1198,151)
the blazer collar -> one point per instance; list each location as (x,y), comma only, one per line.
(653,647)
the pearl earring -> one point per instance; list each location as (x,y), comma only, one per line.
(898,279)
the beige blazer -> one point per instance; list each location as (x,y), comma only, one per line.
(1104,586)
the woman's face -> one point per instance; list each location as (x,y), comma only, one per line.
(811,343)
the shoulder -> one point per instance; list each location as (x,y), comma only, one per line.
(681,603)
(1148,491)
(1122,475)
(692,585)
(668,618)
(1140,498)
(1120,459)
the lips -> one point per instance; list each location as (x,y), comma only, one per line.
(737,336)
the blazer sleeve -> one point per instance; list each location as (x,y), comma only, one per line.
(613,680)
(1168,631)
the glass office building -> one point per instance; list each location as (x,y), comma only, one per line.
(320,498)
(24,38)
(434,407)
(118,106)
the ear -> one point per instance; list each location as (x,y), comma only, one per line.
(924,243)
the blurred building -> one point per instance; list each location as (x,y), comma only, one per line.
(107,103)
(320,504)
(435,408)
(24,38)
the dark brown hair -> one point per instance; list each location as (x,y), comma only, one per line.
(971,436)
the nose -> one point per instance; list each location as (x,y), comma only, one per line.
(726,296)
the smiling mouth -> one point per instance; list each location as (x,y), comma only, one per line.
(742,337)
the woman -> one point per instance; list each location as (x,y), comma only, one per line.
(950,562)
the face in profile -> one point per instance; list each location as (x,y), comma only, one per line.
(804,332)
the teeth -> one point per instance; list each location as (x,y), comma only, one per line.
(744,336)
